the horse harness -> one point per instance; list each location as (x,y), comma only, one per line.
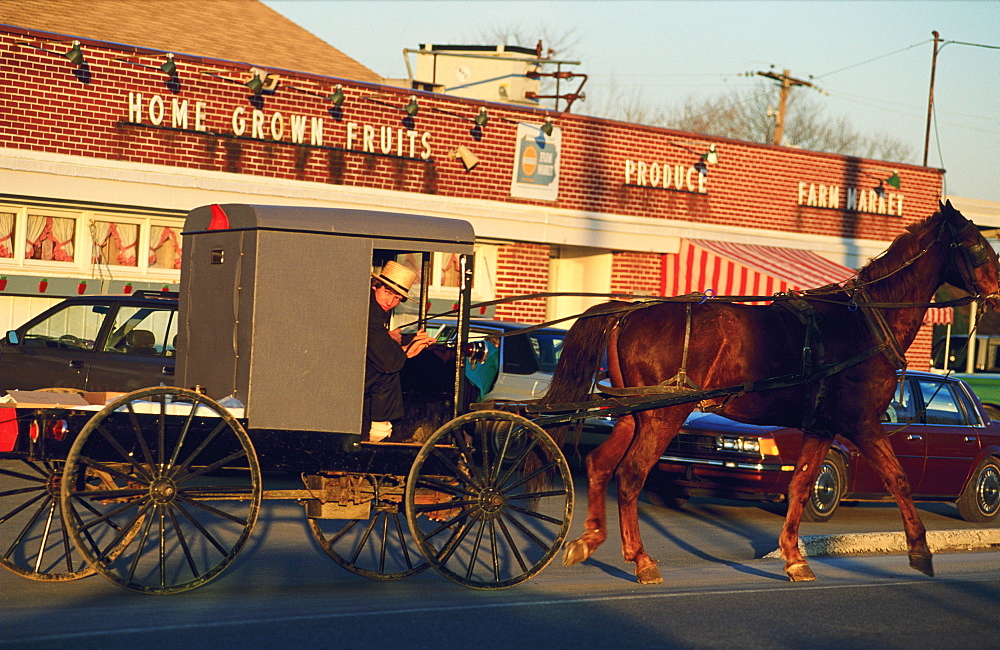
(813,369)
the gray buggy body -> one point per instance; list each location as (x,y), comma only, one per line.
(274,305)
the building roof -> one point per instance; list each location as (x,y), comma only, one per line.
(233,30)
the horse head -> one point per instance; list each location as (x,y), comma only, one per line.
(974,266)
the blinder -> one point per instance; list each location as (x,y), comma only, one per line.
(971,256)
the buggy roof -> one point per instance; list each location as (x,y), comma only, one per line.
(434,233)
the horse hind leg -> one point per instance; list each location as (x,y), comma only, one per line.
(654,433)
(814,448)
(601,464)
(879,453)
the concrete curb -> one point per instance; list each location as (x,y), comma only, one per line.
(874,543)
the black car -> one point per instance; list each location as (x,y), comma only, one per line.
(94,343)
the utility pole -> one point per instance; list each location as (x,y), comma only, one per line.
(930,97)
(787,81)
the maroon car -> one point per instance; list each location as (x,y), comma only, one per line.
(948,446)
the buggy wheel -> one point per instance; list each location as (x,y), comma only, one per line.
(380,547)
(34,543)
(486,518)
(179,478)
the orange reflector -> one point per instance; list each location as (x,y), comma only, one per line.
(768,447)
(220,221)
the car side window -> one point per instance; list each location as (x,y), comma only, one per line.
(942,405)
(900,411)
(546,348)
(143,331)
(75,327)
(518,356)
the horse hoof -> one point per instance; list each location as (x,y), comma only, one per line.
(649,576)
(576,551)
(800,572)
(923,563)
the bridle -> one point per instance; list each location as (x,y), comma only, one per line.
(969,258)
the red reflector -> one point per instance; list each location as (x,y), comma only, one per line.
(219,219)
(58,429)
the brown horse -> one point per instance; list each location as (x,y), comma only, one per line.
(849,351)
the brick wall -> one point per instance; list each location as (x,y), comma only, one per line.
(637,273)
(522,269)
(52,107)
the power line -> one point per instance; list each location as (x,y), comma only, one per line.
(855,65)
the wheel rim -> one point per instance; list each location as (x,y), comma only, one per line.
(826,489)
(988,490)
(380,547)
(33,541)
(479,516)
(179,478)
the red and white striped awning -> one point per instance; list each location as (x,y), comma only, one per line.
(940,316)
(746,269)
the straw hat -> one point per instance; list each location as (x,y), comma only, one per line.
(397,277)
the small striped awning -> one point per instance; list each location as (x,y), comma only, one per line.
(746,269)
(940,316)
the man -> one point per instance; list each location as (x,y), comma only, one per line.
(387,350)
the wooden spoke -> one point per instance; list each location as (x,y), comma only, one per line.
(185,470)
(489,499)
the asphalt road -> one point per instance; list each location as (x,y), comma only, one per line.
(719,591)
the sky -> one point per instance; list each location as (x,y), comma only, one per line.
(872,60)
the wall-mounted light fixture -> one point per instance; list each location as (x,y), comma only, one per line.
(168,65)
(337,96)
(75,54)
(892,181)
(469,159)
(412,108)
(261,81)
(482,118)
(710,157)
(548,127)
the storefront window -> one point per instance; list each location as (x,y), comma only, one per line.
(114,243)
(50,238)
(7,234)
(164,248)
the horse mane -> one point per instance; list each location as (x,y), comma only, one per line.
(891,270)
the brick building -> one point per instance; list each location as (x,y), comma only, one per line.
(103,154)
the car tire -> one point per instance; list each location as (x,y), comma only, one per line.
(826,492)
(662,495)
(980,500)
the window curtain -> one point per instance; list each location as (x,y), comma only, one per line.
(6,234)
(63,230)
(100,231)
(158,236)
(36,226)
(127,235)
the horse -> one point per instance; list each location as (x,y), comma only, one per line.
(845,341)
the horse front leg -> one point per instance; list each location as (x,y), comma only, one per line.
(601,464)
(879,452)
(814,448)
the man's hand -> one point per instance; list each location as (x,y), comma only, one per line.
(420,342)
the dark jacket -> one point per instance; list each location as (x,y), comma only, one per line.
(384,360)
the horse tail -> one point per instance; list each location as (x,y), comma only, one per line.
(582,351)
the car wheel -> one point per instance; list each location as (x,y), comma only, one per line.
(824,497)
(980,501)
(659,493)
